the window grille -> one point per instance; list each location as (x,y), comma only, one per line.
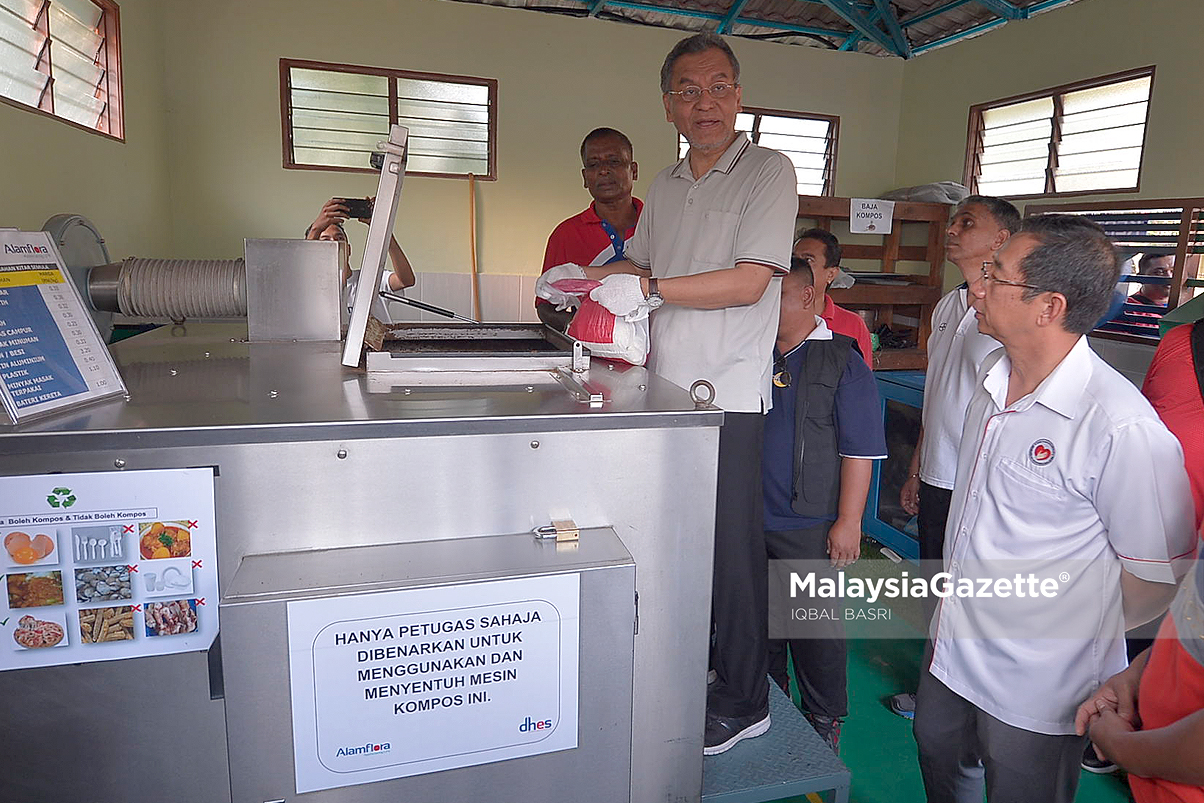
(62,58)
(1082,138)
(1172,227)
(334,114)
(808,140)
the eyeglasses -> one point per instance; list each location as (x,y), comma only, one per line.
(987,277)
(692,94)
(781,377)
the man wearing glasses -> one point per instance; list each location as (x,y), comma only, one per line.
(598,235)
(1064,474)
(979,225)
(714,237)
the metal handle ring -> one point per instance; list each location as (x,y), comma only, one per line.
(699,400)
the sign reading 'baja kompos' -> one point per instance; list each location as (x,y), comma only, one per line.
(870,216)
(401,683)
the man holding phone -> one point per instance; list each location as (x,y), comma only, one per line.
(329,226)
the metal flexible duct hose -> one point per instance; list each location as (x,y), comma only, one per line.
(171,288)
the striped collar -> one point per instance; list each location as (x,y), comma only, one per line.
(725,164)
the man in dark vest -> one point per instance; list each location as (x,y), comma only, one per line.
(821,438)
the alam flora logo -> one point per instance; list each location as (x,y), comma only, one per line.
(370,748)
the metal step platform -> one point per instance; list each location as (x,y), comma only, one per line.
(789,760)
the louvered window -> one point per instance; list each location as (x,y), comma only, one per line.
(1167,228)
(1085,137)
(62,57)
(334,114)
(808,140)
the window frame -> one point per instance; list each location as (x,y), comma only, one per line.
(289,163)
(1191,216)
(114,114)
(833,140)
(974,129)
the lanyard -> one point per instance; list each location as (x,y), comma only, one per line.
(616,241)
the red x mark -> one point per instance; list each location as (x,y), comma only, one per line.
(192,525)
(127,528)
(133,569)
(196,564)
(136,607)
(200,601)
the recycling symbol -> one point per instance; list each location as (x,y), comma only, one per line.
(61,497)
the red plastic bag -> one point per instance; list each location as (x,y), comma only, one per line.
(599,330)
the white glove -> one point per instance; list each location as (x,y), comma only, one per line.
(545,290)
(622,295)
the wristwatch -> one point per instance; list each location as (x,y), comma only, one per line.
(655,299)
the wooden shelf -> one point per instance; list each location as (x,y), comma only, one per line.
(921,290)
(875,294)
(915,359)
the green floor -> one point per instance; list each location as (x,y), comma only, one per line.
(878,746)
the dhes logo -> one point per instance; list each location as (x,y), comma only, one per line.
(529,726)
(363,749)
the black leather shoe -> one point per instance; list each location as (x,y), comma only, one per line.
(722,733)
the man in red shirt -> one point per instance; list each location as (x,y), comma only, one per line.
(822,251)
(1172,386)
(1154,264)
(597,235)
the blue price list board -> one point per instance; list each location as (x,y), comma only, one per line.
(51,355)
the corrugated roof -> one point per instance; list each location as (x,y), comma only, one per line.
(898,28)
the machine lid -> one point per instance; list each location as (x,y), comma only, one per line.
(384,213)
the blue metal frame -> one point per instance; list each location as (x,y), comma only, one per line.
(1004,9)
(902,46)
(864,19)
(852,15)
(903,545)
(957,37)
(595,6)
(856,38)
(933,12)
(725,25)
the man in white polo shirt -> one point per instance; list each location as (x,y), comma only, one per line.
(1066,475)
(980,224)
(714,237)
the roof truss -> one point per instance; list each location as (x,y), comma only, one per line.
(902,28)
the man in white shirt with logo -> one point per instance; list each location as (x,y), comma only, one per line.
(712,241)
(1065,474)
(980,224)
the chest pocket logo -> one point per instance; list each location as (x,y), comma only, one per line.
(1041,453)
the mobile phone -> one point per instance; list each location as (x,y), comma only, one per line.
(358,208)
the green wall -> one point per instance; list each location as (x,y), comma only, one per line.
(203,112)
(51,167)
(1083,40)
(201,165)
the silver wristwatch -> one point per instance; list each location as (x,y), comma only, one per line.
(655,299)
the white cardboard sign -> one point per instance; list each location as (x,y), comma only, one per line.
(106,565)
(402,683)
(870,216)
(51,355)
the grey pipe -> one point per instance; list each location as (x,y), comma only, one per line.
(171,288)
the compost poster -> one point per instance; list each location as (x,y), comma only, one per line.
(106,565)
